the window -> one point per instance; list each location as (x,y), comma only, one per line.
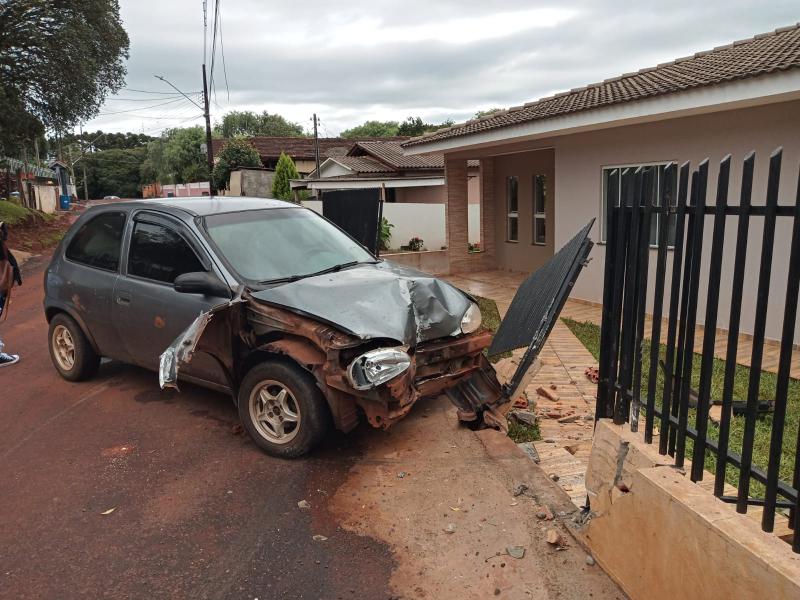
(97,243)
(159,253)
(655,222)
(512,204)
(539,209)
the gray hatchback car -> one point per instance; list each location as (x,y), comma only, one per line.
(270,302)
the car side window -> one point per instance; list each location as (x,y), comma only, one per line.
(98,242)
(160,253)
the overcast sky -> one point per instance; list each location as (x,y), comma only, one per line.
(388,59)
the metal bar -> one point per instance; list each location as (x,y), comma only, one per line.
(674,301)
(754,211)
(665,194)
(757,502)
(696,240)
(710,323)
(762,300)
(626,355)
(784,369)
(640,286)
(605,404)
(739,264)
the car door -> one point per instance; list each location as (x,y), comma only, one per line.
(149,313)
(85,280)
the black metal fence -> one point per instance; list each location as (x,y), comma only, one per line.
(663,210)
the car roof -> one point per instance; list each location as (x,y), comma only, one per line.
(201,206)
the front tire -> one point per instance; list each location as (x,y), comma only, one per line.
(282,409)
(70,350)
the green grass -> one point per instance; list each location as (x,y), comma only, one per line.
(520,432)
(14,214)
(589,335)
(490,319)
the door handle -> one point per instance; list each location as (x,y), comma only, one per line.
(123,299)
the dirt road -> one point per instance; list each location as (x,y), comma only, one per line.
(113,488)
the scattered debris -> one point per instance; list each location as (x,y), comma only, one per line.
(553,386)
(515,551)
(569,419)
(524,417)
(319,538)
(521,402)
(451,528)
(402,474)
(554,538)
(303,505)
(109,511)
(589,560)
(520,489)
(592,374)
(554,476)
(546,393)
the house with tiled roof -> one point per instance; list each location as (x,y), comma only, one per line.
(382,163)
(544,165)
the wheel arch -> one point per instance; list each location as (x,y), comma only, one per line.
(50,313)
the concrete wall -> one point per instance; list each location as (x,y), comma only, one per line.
(426,221)
(429,194)
(435,262)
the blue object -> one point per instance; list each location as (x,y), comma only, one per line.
(64,201)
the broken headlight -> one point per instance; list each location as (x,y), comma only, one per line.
(472,319)
(376,367)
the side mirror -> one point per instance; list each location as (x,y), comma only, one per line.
(201,282)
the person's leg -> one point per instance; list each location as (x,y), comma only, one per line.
(7,360)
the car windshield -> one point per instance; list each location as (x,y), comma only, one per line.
(278,244)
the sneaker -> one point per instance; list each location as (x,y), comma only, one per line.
(6,360)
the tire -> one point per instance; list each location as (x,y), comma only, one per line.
(294,422)
(70,350)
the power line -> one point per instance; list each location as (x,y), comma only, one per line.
(119,112)
(152,92)
(224,67)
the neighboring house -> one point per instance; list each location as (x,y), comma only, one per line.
(300,149)
(382,164)
(543,165)
(176,190)
(253,182)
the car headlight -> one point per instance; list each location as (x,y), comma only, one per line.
(376,367)
(471,320)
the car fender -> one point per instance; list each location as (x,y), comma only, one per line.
(55,306)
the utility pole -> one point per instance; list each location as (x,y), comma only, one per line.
(83,164)
(316,145)
(209,151)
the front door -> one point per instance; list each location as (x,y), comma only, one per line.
(150,314)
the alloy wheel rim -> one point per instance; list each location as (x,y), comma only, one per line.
(275,412)
(64,348)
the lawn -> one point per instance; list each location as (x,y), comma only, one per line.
(589,335)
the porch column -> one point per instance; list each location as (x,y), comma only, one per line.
(457,214)
(487,206)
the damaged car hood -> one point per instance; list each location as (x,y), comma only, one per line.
(381,300)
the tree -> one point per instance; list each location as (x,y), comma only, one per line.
(235,154)
(247,123)
(176,157)
(414,126)
(372,129)
(284,171)
(114,172)
(59,60)
(486,113)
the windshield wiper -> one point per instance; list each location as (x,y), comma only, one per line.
(332,269)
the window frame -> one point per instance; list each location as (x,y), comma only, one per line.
(122,241)
(603,237)
(175,225)
(539,215)
(511,214)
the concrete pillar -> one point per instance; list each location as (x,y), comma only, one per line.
(457,214)
(488,208)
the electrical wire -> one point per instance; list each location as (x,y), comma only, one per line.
(119,112)
(152,92)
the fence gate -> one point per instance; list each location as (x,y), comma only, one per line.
(651,363)
(358,212)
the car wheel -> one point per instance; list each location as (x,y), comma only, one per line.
(70,350)
(282,409)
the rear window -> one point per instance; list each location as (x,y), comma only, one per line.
(98,242)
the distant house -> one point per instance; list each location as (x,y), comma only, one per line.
(382,164)
(176,190)
(300,149)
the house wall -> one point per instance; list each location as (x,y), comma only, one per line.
(523,255)
(429,194)
(577,191)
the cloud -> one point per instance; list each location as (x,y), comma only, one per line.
(361,60)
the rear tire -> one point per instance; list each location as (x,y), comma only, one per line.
(282,409)
(70,350)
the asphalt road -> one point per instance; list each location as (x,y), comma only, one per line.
(198,510)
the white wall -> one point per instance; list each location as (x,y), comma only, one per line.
(426,221)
